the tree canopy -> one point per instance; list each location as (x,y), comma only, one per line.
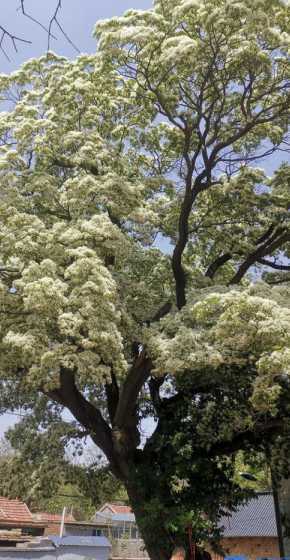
(48,469)
(160,137)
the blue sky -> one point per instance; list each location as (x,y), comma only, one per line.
(78,18)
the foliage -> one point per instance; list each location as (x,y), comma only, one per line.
(256,466)
(162,133)
(39,469)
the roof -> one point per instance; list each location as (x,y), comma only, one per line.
(117,513)
(14,511)
(121,509)
(80,541)
(117,508)
(92,524)
(52,517)
(118,517)
(256,518)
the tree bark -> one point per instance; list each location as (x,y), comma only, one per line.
(157,540)
(284,505)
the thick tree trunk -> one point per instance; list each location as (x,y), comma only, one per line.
(157,539)
(284,505)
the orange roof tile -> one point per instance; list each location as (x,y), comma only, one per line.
(14,511)
(117,508)
(52,517)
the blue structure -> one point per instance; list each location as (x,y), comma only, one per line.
(61,548)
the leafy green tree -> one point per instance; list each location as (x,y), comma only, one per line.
(38,468)
(255,465)
(157,136)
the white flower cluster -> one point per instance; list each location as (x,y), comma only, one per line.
(247,327)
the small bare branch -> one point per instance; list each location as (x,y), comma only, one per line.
(14,39)
(54,20)
(29,16)
(5,34)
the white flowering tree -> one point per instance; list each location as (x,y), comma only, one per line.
(163,134)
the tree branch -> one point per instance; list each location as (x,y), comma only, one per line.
(85,413)
(29,16)
(126,409)
(274,265)
(66,163)
(178,271)
(253,437)
(112,393)
(13,38)
(154,387)
(162,312)
(54,20)
(218,263)
(275,242)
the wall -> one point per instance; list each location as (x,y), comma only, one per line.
(128,548)
(76,530)
(61,553)
(18,554)
(52,529)
(252,547)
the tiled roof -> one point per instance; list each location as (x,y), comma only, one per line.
(14,511)
(106,517)
(52,517)
(256,518)
(117,508)
(121,509)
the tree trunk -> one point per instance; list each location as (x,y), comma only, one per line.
(284,505)
(157,539)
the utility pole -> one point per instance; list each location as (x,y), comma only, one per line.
(62,522)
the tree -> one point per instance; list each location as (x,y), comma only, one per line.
(9,40)
(157,135)
(39,468)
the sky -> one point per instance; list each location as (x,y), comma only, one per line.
(77,17)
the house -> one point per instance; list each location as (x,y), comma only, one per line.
(52,521)
(22,536)
(120,518)
(17,523)
(251,531)
(117,522)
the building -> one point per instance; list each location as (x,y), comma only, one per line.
(251,531)
(17,523)
(52,521)
(248,532)
(117,522)
(60,548)
(121,520)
